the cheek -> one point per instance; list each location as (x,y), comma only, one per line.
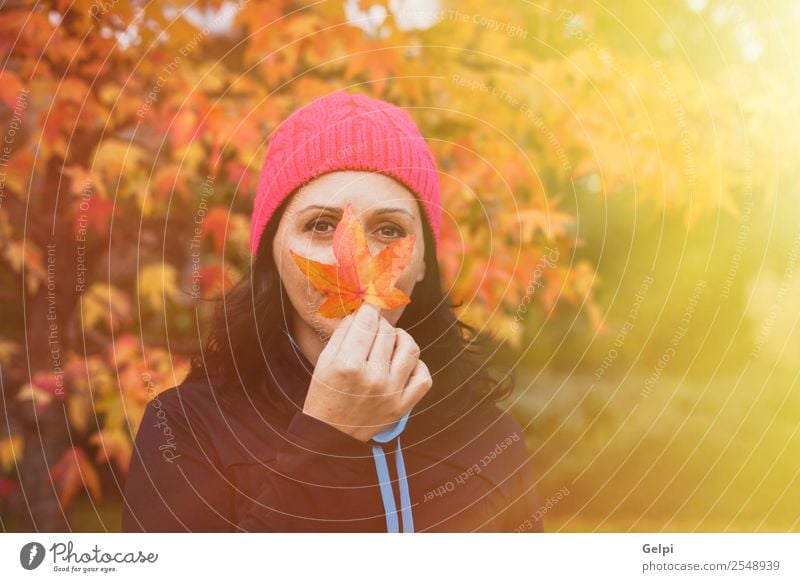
(304,296)
(408,279)
(306,299)
(406,283)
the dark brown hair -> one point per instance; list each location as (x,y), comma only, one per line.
(244,332)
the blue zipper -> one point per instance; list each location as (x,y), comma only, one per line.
(382,468)
(393,432)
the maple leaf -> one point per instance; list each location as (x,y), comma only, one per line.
(113,444)
(8,350)
(74,472)
(358,275)
(213,278)
(104,304)
(7,487)
(215,226)
(11,449)
(157,282)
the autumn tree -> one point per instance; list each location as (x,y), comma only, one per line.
(134,133)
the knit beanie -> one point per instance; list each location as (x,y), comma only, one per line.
(344,131)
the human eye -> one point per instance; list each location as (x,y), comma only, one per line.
(320,226)
(391,231)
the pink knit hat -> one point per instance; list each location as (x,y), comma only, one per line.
(343,131)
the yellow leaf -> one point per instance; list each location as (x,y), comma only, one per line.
(31,392)
(105,304)
(158,282)
(78,412)
(21,253)
(11,449)
(114,445)
(112,408)
(114,158)
(7,350)
(84,182)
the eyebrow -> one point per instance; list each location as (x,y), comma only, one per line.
(380,211)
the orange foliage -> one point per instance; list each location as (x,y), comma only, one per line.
(358,276)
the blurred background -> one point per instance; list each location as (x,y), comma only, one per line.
(620,184)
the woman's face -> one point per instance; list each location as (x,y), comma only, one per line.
(388,211)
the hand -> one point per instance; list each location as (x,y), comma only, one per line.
(367,377)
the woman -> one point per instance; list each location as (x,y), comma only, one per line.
(289,421)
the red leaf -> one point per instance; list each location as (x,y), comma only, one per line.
(215,225)
(73,472)
(358,276)
(7,487)
(49,382)
(92,216)
(212,278)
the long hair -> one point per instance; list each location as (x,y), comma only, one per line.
(244,333)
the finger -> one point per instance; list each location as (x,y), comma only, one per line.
(338,335)
(360,335)
(418,385)
(380,356)
(404,360)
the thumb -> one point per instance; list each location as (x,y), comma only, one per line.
(419,382)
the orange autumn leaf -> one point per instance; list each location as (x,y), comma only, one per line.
(113,444)
(358,275)
(74,472)
(8,487)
